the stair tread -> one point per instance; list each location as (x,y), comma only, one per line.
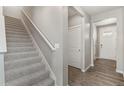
(22,62)
(9,17)
(17,39)
(16,48)
(15,28)
(22,71)
(24,59)
(20,49)
(15,56)
(17,36)
(28,79)
(12,24)
(16,32)
(10,42)
(45,82)
(19,44)
(20,53)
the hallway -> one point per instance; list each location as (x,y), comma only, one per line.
(102,74)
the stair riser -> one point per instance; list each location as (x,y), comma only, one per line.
(15,29)
(19,44)
(10,57)
(10,24)
(14,25)
(9,27)
(21,63)
(41,77)
(15,50)
(18,40)
(13,75)
(17,36)
(12,21)
(51,84)
(12,32)
(29,81)
(46,82)
(17,33)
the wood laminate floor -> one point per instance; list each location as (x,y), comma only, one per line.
(102,74)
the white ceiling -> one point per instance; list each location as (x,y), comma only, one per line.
(93,10)
(106,22)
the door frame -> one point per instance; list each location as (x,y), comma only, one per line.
(94,28)
(65,29)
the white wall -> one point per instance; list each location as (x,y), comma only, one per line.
(2,78)
(13,11)
(117,13)
(50,21)
(2,32)
(2,47)
(65,46)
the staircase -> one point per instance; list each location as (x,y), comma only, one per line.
(23,64)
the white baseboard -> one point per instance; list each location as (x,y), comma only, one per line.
(84,70)
(120,71)
(92,65)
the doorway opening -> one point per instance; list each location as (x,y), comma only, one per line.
(105,45)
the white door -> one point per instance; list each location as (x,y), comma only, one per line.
(74,45)
(107,42)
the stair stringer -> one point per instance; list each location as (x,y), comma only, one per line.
(52,75)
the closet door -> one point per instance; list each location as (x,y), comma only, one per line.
(74,45)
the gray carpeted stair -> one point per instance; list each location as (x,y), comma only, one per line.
(23,64)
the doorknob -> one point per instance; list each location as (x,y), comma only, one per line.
(79,50)
(101,45)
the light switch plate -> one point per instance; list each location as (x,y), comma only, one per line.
(56,45)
